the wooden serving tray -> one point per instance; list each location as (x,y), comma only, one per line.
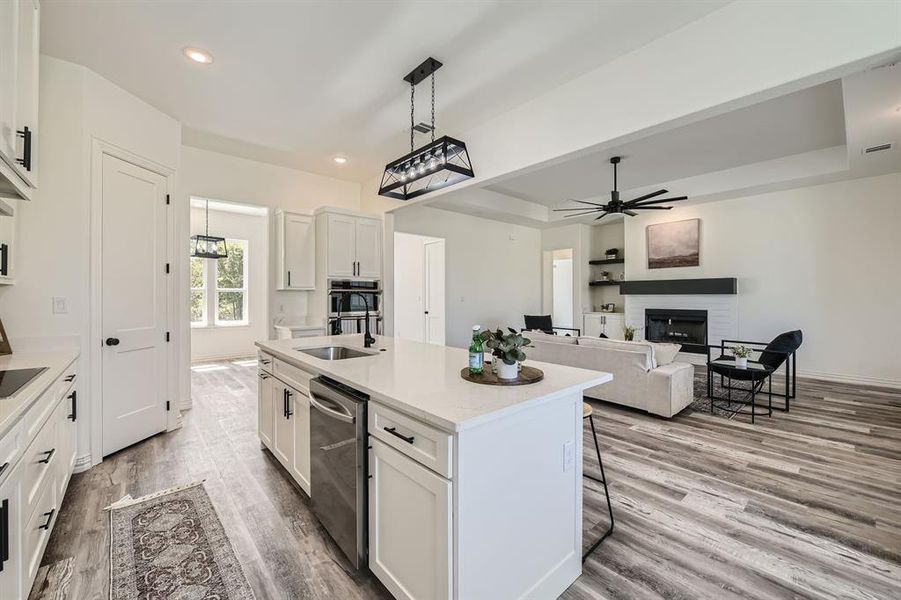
(526,376)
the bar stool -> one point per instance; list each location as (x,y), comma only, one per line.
(587,412)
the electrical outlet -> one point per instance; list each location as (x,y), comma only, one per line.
(60,305)
(568,455)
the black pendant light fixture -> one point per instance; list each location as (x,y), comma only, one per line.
(440,163)
(617,205)
(208,246)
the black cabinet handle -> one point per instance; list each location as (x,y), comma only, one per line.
(49,516)
(3,468)
(4,533)
(73,396)
(393,431)
(288,411)
(4,259)
(289,278)
(111,341)
(25,161)
(70,378)
(264,376)
(49,454)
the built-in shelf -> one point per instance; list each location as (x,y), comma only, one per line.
(607,261)
(602,283)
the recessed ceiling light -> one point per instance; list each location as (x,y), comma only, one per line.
(340,159)
(197,55)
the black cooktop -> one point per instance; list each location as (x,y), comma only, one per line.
(11,381)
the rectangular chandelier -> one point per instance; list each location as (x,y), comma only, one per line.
(436,165)
(208,246)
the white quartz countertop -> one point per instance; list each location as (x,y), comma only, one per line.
(301,324)
(12,408)
(423,380)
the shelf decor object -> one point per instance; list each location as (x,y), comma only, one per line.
(438,164)
(626,207)
(208,246)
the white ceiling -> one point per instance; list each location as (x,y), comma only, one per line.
(297,82)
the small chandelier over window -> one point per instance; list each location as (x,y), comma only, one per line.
(440,163)
(208,246)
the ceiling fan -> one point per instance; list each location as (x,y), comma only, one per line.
(627,207)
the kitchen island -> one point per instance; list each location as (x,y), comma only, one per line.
(474,491)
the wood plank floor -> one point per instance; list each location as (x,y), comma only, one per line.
(801,505)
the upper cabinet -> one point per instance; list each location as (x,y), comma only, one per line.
(296,251)
(19,62)
(353,245)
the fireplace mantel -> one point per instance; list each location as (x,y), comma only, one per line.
(682,287)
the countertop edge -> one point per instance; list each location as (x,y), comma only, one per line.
(36,388)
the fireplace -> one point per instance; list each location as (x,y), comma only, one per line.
(686,327)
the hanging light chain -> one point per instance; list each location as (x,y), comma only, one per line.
(412,105)
(433,106)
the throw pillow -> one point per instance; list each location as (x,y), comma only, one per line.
(540,336)
(665,353)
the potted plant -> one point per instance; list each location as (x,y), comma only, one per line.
(611,253)
(741,354)
(507,349)
(629,332)
(605,275)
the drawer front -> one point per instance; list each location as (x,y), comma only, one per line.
(266,362)
(293,376)
(423,443)
(37,532)
(10,449)
(39,413)
(39,465)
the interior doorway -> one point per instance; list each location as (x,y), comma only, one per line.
(557,286)
(419,288)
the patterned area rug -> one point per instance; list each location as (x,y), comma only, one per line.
(171,546)
(701,401)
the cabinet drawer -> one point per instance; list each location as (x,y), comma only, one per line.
(39,465)
(293,376)
(10,449)
(266,362)
(423,443)
(37,531)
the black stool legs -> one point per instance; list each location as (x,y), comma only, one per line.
(602,480)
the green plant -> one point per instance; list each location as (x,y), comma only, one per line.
(741,351)
(613,251)
(629,332)
(506,346)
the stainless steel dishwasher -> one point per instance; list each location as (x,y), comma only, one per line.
(338,465)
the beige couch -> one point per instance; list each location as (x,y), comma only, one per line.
(644,375)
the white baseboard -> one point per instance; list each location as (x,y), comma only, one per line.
(853,379)
(82,463)
(196,360)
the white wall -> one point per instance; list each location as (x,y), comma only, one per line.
(53,241)
(493,274)
(237,341)
(822,259)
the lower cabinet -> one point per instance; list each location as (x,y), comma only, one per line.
(410,520)
(11,534)
(284,426)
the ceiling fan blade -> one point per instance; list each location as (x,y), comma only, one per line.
(587,202)
(582,214)
(569,209)
(651,195)
(602,216)
(650,202)
(651,207)
(630,213)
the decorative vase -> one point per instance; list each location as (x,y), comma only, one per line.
(741,362)
(505,371)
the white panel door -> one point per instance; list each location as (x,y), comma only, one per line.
(341,246)
(369,248)
(434,292)
(409,526)
(300,252)
(300,466)
(133,303)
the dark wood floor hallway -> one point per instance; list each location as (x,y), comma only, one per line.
(802,505)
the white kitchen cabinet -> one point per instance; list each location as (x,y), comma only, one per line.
(300,463)
(266,409)
(9,27)
(283,445)
(66,416)
(8,246)
(354,246)
(11,527)
(410,520)
(611,324)
(296,251)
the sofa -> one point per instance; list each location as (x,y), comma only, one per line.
(645,374)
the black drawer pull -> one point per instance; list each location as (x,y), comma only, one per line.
(25,161)
(264,376)
(74,397)
(3,468)
(49,454)
(49,516)
(4,532)
(70,377)
(393,431)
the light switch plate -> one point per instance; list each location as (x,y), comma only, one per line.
(60,305)
(568,455)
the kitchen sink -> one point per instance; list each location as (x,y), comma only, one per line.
(335,352)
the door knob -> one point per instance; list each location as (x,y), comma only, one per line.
(111,341)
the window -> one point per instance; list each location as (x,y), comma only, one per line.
(219,288)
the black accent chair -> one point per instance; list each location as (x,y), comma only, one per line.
(545,324)
(781,351)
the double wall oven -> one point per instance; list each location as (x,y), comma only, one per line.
(347,304)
